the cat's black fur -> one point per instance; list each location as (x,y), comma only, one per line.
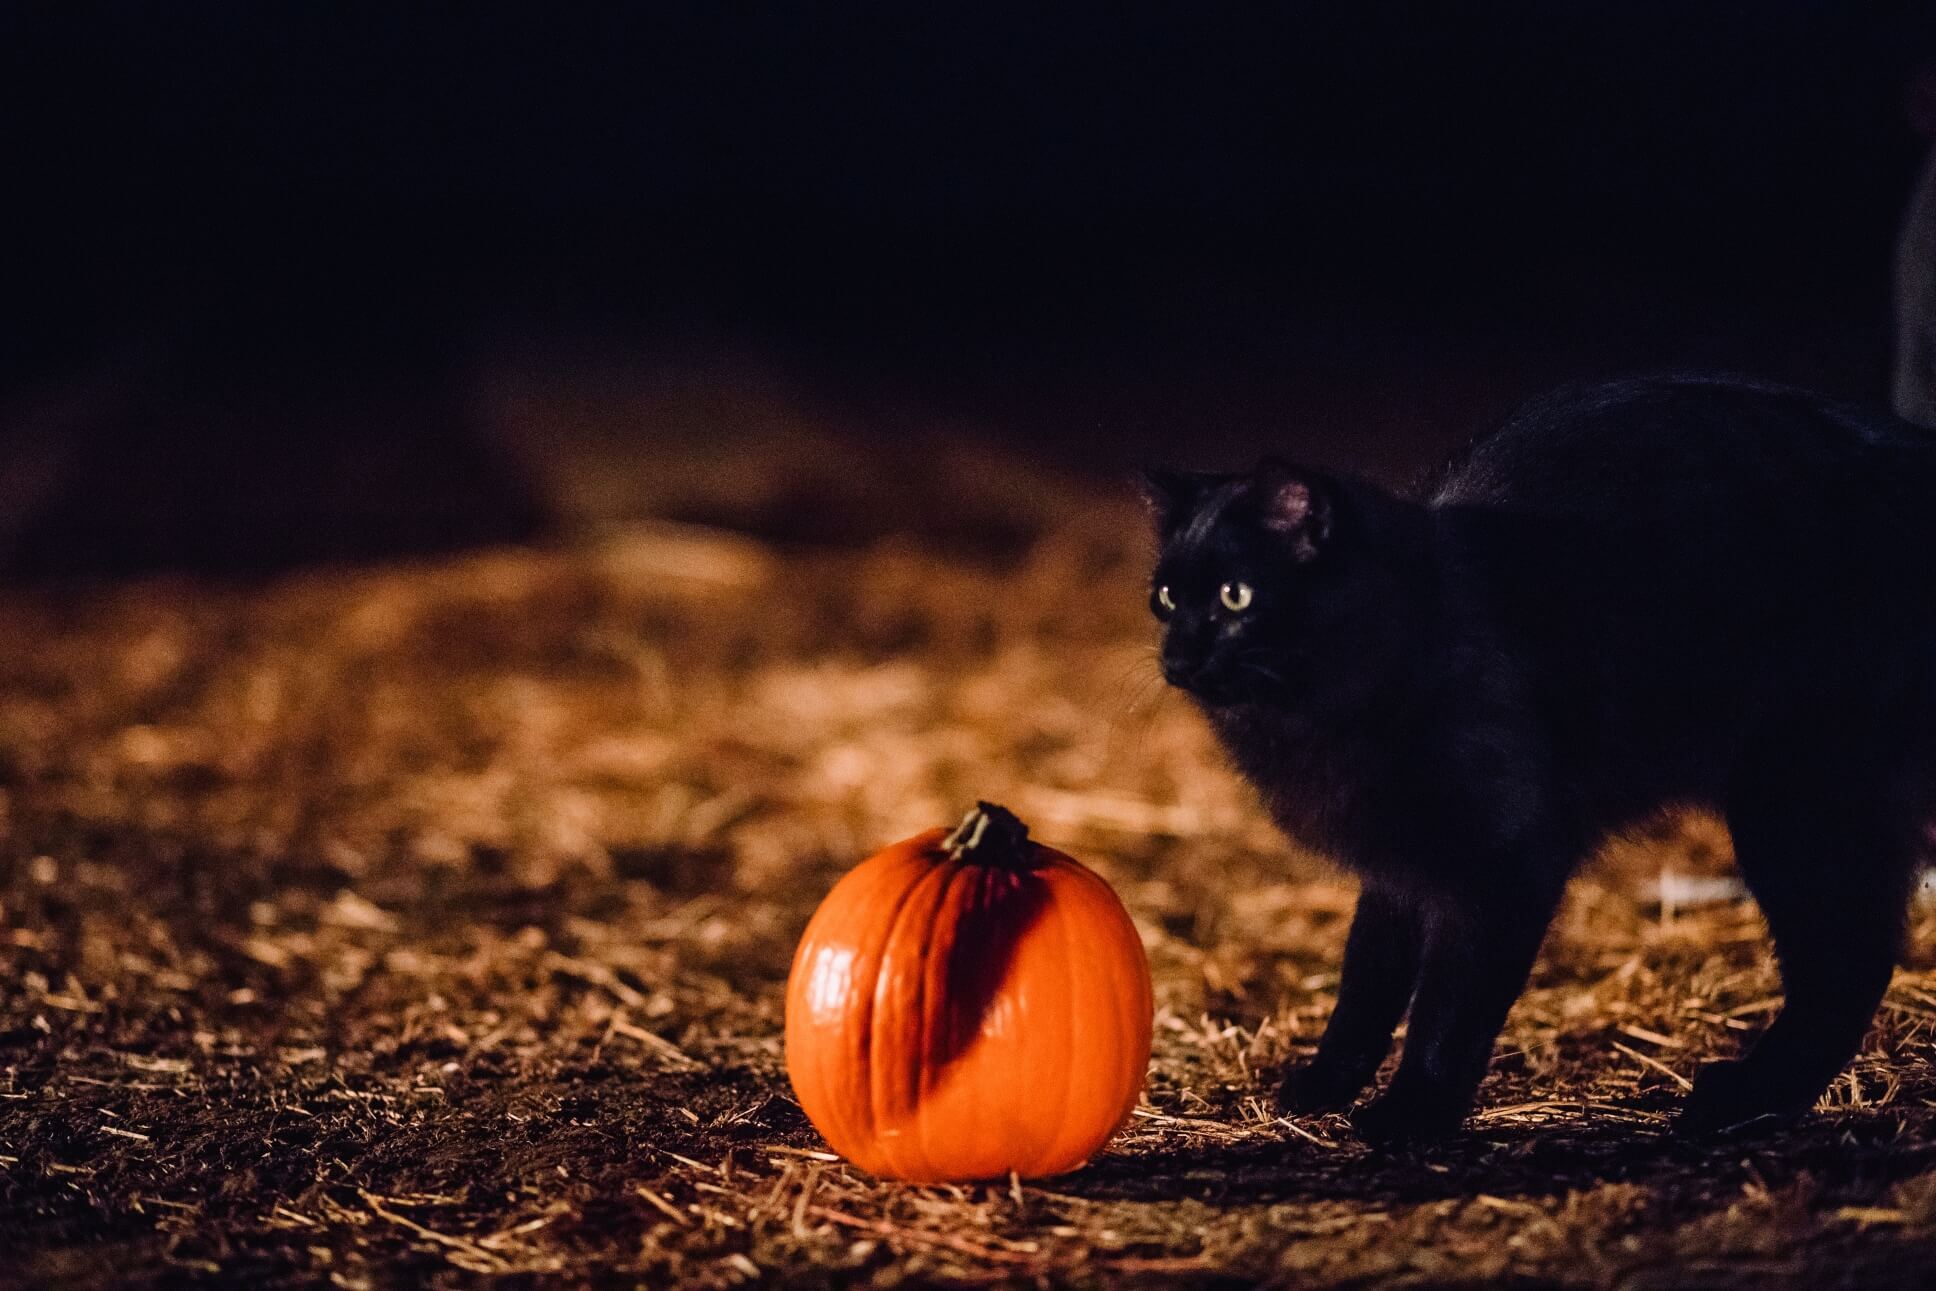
(1675,590)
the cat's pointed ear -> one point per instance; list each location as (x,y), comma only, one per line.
(1172,494)
(1296,505)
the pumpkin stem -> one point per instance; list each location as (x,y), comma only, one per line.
(988,835)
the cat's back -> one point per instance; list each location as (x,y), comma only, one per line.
(1630,452)
(1671,559)
(1671,550)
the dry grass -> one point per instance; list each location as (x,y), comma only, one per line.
(417,924)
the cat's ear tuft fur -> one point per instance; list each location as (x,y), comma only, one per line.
(1295,505)
(1172,494)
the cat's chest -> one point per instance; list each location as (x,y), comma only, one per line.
(1317,785)
(1346,794)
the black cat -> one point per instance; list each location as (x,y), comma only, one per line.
(1655,592)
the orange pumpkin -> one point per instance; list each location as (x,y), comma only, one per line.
(968,1004)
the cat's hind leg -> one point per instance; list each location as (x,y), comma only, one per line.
(1827,840)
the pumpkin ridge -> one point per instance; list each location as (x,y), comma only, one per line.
(902,900)
(1135,1019)
(1009,907)
(1130,1018)
(885,1128)
(939,1053)
(838,1105)
(1071,1071)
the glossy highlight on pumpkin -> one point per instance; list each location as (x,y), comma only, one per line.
(969,1004)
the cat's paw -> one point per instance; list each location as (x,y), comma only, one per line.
(1398,1119)
(1318,1086)
(1733,1095)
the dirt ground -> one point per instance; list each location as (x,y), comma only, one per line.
(424,923)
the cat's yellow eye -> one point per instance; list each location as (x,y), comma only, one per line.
(1163,599)
(1235,597)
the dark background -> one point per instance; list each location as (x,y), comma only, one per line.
(271,265)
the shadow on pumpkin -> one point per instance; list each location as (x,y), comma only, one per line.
(1001,910)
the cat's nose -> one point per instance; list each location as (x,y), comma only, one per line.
(1180,671)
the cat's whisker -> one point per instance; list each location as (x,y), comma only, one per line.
(1136,699)
(1257,669)
(1133,674)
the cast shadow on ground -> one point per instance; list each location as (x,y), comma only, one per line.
(1862,1153)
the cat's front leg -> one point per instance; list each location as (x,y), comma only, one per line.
(1380,968)
(1478,952)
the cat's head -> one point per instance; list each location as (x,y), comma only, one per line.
(1247,584)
